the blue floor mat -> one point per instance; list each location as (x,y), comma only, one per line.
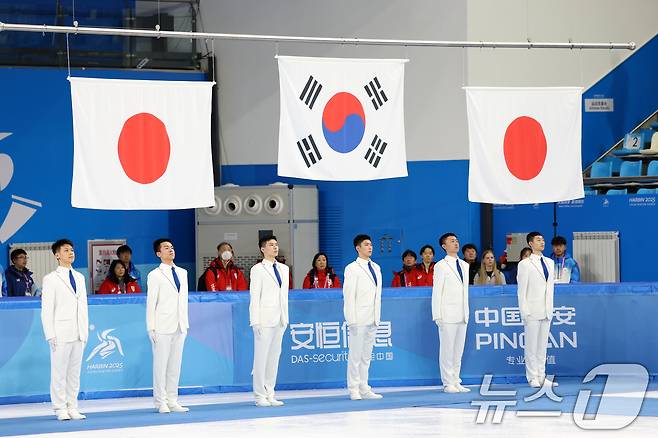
(318,405)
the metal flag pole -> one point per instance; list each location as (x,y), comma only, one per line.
(157,33)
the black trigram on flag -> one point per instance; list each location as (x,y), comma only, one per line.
(309,151)
(375,93)
(310,92)
(376,151)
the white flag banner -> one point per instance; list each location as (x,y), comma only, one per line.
(524,144)
(341,119)
(141,145)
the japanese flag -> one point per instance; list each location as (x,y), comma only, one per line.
(141,145)
(524,145)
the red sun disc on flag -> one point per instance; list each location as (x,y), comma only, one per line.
(525,148)
(144,148)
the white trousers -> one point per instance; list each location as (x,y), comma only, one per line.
(167,359)
(361,340)
(267,350)
(536,343)
(65,363)
(451,349)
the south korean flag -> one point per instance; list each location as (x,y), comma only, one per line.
(341,119)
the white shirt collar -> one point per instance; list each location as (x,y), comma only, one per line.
(535,256)
(167,267)
(269,263)
(63,270)
(450,258)
(363,262)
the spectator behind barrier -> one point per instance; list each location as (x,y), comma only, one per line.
(489,273)
(3,282)
(321,275)
(119,281)
(409,276)
(566,267)
(125,254)
(223,275)
(426,266)
(470,253)
(525,253)
(18,277)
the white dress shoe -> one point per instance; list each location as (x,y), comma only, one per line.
(371,396)
(178,408)
(534,383)
(274,402)
(450,389)
(76,415)
(164,409)
(462,388)
(355,395)
(262,403)
(62,415)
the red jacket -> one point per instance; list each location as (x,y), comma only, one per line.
(428,276)
(320,281)
(218,278)
(110,287)
(413,277)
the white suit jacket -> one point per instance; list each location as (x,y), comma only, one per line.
(268,302)
(166,307)
(64,311)
(535,292)
(362,298)
(450,292)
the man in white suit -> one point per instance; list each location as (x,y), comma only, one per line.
(167,325)
(535,291)
(450,311)
(66,327)
(362,295)
(268,317)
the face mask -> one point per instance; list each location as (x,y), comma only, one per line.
(226,255)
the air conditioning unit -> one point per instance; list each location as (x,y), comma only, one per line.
(244,214)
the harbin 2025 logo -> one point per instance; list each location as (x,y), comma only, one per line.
(107,356)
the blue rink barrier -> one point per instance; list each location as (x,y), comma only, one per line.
(592,324)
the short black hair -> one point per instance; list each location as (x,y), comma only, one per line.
(558,240)
(60,243)
(408,252)
(263,240)
(15,253)
(443,238)
(158,242)
(122,249)
(224,243)
(524,250)
(469,246)
(422,250)
(531,236)
(359,238)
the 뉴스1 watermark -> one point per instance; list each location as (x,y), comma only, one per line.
(620,401)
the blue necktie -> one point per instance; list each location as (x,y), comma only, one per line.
(543,265)
(276,272)
(176,280)
(372,271)
(72,280)
(459,269)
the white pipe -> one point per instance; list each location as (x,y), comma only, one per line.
(297,39)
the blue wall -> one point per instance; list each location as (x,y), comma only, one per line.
(415,210)
(632,215)
(36,109)
(634,88)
